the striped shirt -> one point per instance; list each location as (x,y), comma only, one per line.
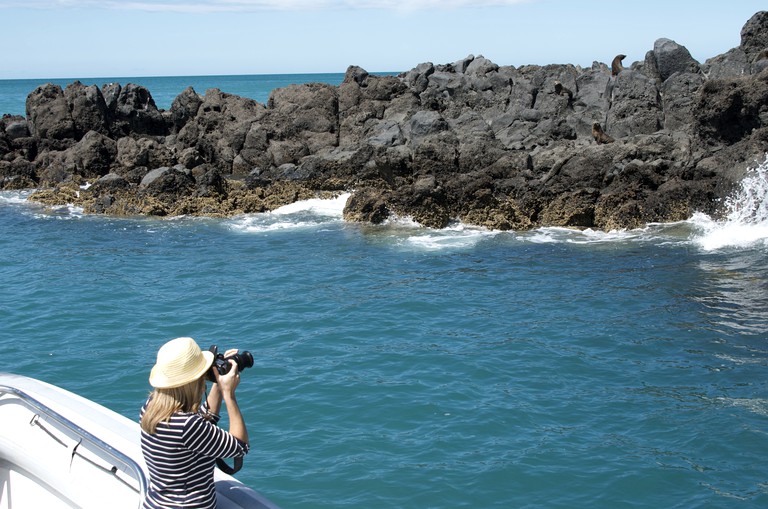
(181,455)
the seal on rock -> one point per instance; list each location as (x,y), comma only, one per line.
(560,90)
(616,66)
(599,135)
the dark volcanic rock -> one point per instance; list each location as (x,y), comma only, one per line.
(15,127)
(754,35)
(135,112)
(728,110)
(184,108)
(217,132)
(495,145)
(93,155)
(636,106)
(671,58)
(88,109)
(48,113)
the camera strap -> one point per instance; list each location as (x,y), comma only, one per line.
(226,468)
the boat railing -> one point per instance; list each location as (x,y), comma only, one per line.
(119,462)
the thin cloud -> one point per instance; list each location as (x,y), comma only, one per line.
(210,6)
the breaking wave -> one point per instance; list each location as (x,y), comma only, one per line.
(299,215)
(746,224)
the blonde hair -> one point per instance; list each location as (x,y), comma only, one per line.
(163,403)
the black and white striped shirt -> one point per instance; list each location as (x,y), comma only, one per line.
(181,456)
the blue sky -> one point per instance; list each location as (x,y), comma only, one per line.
(90,38)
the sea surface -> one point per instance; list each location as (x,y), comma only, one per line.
(398,366)
(164,89)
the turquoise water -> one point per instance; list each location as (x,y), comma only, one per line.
(164,89)
(398,366)
(402,367)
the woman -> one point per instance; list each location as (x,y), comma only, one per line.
(179,436)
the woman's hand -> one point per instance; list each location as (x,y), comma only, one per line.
(215,395)
(228,382)
(228,353)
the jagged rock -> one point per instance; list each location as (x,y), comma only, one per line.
(219,129)
(366,205)
(110,92)
(48,113)
(671,57)
(635,106)
(184,108)
(460,66)
(15,127)
(306,113)
(88,109)
(167,186)
(190,158)
(730,64)
(93,155)
(109,183)
(210,184)
(481,66)
(17,174)
(498,146)
(136,113)
(744,59)
(679,92)
(729,110)
(134,152)
(356,75)
(418,77)
(754,34)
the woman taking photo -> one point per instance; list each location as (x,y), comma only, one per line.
(179,436)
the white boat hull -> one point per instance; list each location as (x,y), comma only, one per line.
(59,450)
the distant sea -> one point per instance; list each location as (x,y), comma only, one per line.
(398,366)
(164,89)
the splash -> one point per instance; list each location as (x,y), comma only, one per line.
(750,204)
(20,200)
(14,197)
(318,206)
(746,224)
(300,215)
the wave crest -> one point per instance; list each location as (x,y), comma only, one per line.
(746,224)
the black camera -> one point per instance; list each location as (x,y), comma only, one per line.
(221,364)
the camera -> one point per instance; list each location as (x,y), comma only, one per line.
(221,364)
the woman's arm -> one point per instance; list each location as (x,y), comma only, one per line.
(214,397)
(214,400)
(226,385)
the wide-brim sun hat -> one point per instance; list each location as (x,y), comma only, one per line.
(179,362)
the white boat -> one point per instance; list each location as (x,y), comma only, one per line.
(60,450)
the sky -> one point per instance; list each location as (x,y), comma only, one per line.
(113,38)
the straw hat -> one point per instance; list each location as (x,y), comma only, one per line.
(179,362)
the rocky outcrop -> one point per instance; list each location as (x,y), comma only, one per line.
(499,146)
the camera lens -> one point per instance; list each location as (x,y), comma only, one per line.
(244,360)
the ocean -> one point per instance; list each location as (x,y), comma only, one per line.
(398,366)
(164,89)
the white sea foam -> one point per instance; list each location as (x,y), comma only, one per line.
(746,224)
(457,236)
(557,235)
(14,197)
(20,198)
(756,405)
(59,212)
(298,215)
(333,208)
